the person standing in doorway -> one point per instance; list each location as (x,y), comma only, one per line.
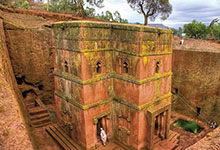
(103,136)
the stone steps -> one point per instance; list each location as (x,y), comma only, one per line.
(58,134)
(39,115)
(37,110)
(179,148)
(41,125)
(122,146)
(168,144)
(41,120)
(156,139)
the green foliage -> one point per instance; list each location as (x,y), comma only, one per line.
(90,12)
(216,29)
(22,4)
(116,16)
(62,6)
(190,126)
(177,32)
(105,16)
(196,30)
(75,7)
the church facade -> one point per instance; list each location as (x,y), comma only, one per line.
(113,76)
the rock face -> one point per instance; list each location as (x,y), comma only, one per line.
(29,47)
(196,79)
(32,61)
(13,133)
(210,141)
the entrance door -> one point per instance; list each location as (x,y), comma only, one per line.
(99,126)
(160,125)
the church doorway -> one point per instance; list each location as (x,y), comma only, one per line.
(99,126)
(160,125)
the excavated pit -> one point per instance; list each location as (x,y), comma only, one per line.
(31,55)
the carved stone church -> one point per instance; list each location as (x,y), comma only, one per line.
(113,76)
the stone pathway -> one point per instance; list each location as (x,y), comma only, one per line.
(110,146)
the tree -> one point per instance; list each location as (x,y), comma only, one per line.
(177,32)
(212,26)
(216,31)
(106,16)
(5,2)
(152,8)
(22,4)
(90,12)
(196,30)
(16,3)
(74,6)
(62,6)
(116,17)
(80,5)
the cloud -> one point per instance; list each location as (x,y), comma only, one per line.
(184,11)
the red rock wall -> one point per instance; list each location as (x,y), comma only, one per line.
(196,75)
(14,128)
(32,60)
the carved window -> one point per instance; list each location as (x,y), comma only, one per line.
(125,67)
(66,66)
(157,67)
(198,109)
(98,67)
(176,90)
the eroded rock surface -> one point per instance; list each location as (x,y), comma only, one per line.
(30,51)
(210,141)
(13,134)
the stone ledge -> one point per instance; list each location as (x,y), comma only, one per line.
(116,50)
(143,106)
(81,106)
(112,75)
(114,98)
(117,26)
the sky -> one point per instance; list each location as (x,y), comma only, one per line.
(184,11)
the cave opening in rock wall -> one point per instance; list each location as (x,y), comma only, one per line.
(176,90)
(20,80)
(25,93)
(41,87)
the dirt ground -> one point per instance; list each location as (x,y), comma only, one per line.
(196,45)
(45,142)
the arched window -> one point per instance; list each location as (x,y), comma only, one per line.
(66,66)
(157,67)
(198,109)
(125,67)
(98,67)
